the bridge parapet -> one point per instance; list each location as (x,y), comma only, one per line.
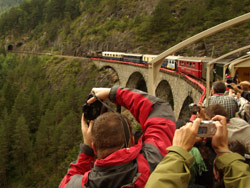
(176,90)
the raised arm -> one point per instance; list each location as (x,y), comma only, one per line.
(236,173)
(154,115)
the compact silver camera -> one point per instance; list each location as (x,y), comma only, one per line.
(206,129)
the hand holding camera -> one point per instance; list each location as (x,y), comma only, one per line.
(100,93)
(220,139)
(94,105)
(186,136)
(91,110)
(86,131)
(193,132)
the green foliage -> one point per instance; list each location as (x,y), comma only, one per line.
(4,149)
(40,16)
(6,4)
(22,147)
(162,18)
(93,23)
(40,130)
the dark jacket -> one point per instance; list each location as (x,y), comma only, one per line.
(128,167)
(246,95)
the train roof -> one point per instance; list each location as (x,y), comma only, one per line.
(137,55)
(107,52)
(174,57)
(150,55)
(196,59)
(223,61)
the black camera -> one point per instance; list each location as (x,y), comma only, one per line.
(194,108)
(231,80)
(92,111)
(229,86)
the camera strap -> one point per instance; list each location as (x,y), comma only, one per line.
(124,122)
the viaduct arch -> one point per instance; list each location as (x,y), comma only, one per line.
(171,87)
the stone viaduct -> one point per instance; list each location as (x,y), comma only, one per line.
(171,87)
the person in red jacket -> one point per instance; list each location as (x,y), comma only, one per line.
(105,160)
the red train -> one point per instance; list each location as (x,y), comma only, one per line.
(194,66)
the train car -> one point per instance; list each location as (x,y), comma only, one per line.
(219,69)
(135,58)
(113,55)
(147,58)
(171,62)
(192,65)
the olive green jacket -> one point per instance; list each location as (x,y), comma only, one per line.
(173,170)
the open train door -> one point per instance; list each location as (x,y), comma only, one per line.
(241,69)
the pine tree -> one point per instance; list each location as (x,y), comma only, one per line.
(71,130)
(44,135)
(72,9)
(3,154)
(162,18)
(22,146)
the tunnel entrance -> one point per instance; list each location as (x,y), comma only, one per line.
(10,47)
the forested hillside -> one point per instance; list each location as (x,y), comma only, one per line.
(41,100)
(75,27)
(41,97)
(6,4)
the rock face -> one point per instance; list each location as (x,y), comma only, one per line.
(107,78)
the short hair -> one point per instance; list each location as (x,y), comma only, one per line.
(215,109)
(108,132)
(236,146)
(219,87)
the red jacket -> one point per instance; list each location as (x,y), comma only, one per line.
(127,167)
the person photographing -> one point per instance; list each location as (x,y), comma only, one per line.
(174,170)
(109,158)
